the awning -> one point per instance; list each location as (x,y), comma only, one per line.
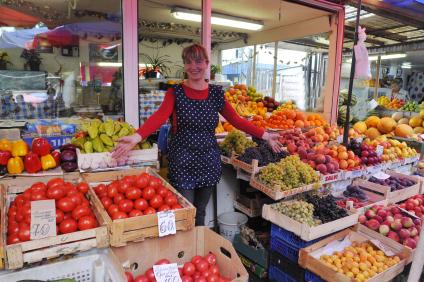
(21,38)
(10,17)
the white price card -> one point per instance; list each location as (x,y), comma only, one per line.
(43,219)
(359,139)
(379,150)
(372,104)
(166,223)
(340,139)
(167,273)
(379,245)
(381,175)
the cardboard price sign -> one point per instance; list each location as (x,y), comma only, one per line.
(166,223)
(381,175)
(43,219)
(167,273)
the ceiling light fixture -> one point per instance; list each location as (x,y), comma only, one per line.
(216,19)
(383,57)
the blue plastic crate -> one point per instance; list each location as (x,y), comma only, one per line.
(311,277)
(290,237)
(275,274)
(284,249)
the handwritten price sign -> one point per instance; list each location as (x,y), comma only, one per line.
(167,273)
(166,223)
(43,219)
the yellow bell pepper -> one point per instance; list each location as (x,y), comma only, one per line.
(5,145)
(15,165)
(19,148)
(48,162)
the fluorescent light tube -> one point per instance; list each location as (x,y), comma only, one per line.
(383,57)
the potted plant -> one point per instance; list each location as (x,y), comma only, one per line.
(214,70)
(32,58)
(156,64)
(4,60)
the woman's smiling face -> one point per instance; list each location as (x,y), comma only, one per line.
(196,68)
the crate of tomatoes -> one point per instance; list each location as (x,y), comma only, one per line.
(32,235)
(129,203)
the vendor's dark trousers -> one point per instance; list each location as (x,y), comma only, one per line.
(199,197)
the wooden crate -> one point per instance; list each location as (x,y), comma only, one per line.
(275,193)
(304,231)
(373,199)
(180,249)
(16,255)
(251,168)
(307,261)
(138,228)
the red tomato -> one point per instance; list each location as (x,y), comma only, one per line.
(101,188)
(155,182)
(171,200)
(162,261)
(82,187)
(189,269)
(19,217)
(142,180)
(210,258)
(76,198)
(213,278)
(129,179)
(156,201)
(67,215)
(129,276)
(12,239)
(112,209)
(68,226)
(162,191)
(20,200)
(112,191)
(141,204)
(176,207)
(200,279)
(68,186)
(38,195)
(202,265)
(80,211)
(196,275)
(180,271)
(27,195)
(27,219)
(125,205)
(87,222)
(119,215)
(133,193)
(55,192)
(214,269)
(134,213)
(186,279)
(206,273)
(106,202)
(149,210)
(122,186)
(150,274)
(141,278)
(71,191)
(164,208)
(24,234)
(119,197)
(66,204)
(169,193)
(195,259)
(59,216)
(55,182)
(12,228)
(149,193)
(85,202)
(38,187)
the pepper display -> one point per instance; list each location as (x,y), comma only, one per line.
(32,162)
(4,157)
(19,148)
(56,155)
(41,146)
(5,145)
(15,165)
(48,162)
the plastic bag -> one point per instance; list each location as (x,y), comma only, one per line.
(362,63)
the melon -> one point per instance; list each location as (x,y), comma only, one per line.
(397,116)
(372,133)
(404,130)
(419,130)
(403,121)
(386,125)
(360,126)
(415,122)
(372,121)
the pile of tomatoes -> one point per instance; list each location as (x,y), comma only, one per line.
(136,195)
(199,269)
(73,210)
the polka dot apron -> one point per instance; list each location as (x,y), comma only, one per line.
(194,156)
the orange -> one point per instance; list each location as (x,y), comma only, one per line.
(300,116)
(342,155)
(291,115)
(299,124)
(343,164)
(341,148)
(351,155)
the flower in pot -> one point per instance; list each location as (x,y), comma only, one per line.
(4,60)
(214,70)
(156,64)
(32,58)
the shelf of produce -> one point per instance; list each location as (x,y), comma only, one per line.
(16,255)
(416,144)
(304,231)
(275,193)
(180,248)
(123,231)
(352,174)
(320,268)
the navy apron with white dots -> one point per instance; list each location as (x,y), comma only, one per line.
(194,156)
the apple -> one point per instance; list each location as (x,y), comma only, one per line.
(410,243)
(395,210)
(409,206)
(404,233)
(373,224)
(407,222)
(393,235)
(397,216)
(390,218)
(378,218)
(370,214)
(382,213)
(384,229)
(413,231)
(417,221)
(362,219)
(396,225)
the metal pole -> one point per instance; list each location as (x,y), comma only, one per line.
(206,31)
(274,72)
(352,74)
(377,79)
(253,83)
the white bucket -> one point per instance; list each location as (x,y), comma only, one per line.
(229,224)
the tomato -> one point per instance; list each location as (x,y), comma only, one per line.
(141,204)
(180,271)
(162,261)
(55,192)
(71,191)
(112,209)
(55,182)
(133,193)
(156,201)
(169,193)
(76,198)
(176,207)
(87,222)
(213,278)
(38,187)
(66,204)
(125,205)
(68,226)
(142,180)
(112,191)
(200,279)
(171,200)
(122,186)
(196,275)
(155,182)
(149,193)
(129,179)
(27,195)
(195,259)
(27,219)
(129,276)
(119,215)
(12,228)
(82,187)
(201,265)
(149,210)
(162,191)
(214,269)
(119,197)
(85,202)
(210,258)
(141,278)
(38,195)
(67,215)
(106,202)
(189,269)
(12,239)
(20,200)
(134,213)
(164,208)
(24,232)
(150,274)
(59,216)
(68,186)
(186,279)
(206,273)
(19,217)
(101,188)
(80,211)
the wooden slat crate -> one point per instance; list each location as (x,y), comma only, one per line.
(251,168)
(138,228)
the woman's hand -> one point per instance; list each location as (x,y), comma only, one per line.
(125,144)
(272,140)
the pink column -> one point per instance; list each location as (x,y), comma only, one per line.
(207,29)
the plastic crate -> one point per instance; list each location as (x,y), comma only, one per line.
(276,274)
(285,249)
(92,266)
(290,237)
(311,277)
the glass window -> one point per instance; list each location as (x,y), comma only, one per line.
(264,68)
(237,65)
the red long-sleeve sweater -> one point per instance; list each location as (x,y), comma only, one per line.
(167,108)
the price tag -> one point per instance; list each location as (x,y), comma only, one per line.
(381,175)
(43,219)
(379,150)
(340,139)
(349,205)
(359,139)
(167,273)
(372,104)
(166,223)
(379,245)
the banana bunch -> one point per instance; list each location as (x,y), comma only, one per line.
(219,128)
(383,101)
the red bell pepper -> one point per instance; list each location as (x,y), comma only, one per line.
(56,156)
(4,157)
(41,146)
(32,162)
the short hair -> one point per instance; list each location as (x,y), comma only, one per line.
(194,52)
(397,81)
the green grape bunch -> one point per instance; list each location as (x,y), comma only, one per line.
(300,211)
(235,142)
